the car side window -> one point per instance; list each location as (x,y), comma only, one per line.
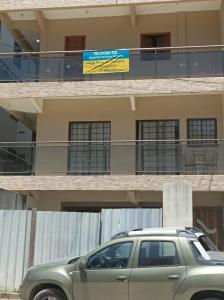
(115,256)
(158,253)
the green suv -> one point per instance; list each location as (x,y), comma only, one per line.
(164,264)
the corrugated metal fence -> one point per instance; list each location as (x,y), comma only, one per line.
(118,220)
(14,250)
(65,234)
(59,235)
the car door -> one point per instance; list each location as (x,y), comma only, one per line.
(105,274)
(158,269)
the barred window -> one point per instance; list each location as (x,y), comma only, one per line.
(202,129)
(159,154)
(89,151)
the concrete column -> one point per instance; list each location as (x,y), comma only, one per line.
(177,204)
(123,154)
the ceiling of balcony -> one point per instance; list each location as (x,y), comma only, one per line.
(121,10)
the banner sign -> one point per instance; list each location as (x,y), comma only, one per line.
(105,61)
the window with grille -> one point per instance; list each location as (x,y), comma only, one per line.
(159,153)
(89,150)
(204,131)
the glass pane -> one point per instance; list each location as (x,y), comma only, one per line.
(202,129)
(157,253)
(115,256)
(158,157)
(93,157)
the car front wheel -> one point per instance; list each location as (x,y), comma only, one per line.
(50,294)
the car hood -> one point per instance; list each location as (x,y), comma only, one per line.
(216,255)
(59,262)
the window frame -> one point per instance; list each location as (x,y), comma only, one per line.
(140,122)
(158,266)
(107,169)
(192,143)
(130,259)
(140,158)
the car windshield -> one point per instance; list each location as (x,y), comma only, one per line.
(207,243)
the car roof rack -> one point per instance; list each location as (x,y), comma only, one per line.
(162,231)
(124,234)
(194,229)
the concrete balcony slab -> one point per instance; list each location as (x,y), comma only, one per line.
(24,184)
(13,5)
(111,88)
(46,4)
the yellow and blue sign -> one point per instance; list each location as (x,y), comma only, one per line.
(106,61)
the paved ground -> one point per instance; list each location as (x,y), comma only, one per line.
(7,296)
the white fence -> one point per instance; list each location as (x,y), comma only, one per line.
(14,250)
(65,234)
(57,235)
(118,220)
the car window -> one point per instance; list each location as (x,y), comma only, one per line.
(114,256)
(207,243)
(199,252)
(158,253)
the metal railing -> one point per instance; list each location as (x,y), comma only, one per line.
(146,157)
(166,62)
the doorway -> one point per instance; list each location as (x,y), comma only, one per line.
(73,69)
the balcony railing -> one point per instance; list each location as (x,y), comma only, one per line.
(144,63)
(147,157)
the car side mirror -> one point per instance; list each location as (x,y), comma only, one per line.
(82,265)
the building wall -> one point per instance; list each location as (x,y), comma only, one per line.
(55,201)
(208,199)
(53,124)
(198,28)
(221,16)
(104,199)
